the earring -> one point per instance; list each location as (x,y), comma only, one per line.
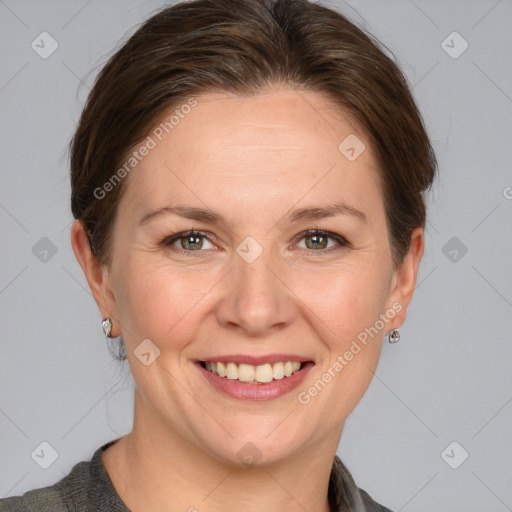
(394,336)
(107,327)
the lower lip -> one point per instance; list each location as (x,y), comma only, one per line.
(266,391)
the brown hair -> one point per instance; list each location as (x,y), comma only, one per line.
(245,47)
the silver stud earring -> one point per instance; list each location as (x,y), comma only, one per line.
(394,336)
(107,327)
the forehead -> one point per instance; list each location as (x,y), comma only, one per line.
(273,148)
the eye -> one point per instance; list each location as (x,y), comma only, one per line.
(188,241)
(317,240)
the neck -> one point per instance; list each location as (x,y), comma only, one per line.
(155,469)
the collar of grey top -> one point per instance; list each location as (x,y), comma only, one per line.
(88,487)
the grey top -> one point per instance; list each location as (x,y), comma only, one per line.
(88,488)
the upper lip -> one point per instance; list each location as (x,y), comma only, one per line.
(255,361)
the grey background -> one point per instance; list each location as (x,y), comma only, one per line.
(450,377)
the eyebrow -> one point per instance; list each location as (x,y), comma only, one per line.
(208,215)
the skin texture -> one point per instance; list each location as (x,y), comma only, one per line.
(252,160)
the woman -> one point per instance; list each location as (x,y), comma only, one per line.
(247,183)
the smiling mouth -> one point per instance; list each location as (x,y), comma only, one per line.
(249,374)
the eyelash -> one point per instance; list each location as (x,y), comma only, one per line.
(340,240)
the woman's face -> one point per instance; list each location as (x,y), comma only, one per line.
(251,287)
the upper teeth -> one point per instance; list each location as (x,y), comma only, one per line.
(249,373)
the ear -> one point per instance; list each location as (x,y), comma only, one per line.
(404,280)
(97,275)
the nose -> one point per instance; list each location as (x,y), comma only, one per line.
(256,299)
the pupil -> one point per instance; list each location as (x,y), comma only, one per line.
(188,239)
(316,243)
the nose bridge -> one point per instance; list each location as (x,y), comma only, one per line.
(256,275)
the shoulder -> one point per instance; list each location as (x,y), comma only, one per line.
(45,499)
(345,495)
(79,491)
(370,505)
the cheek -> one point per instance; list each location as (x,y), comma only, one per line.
(347,298)
(157,300)
(347,302)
